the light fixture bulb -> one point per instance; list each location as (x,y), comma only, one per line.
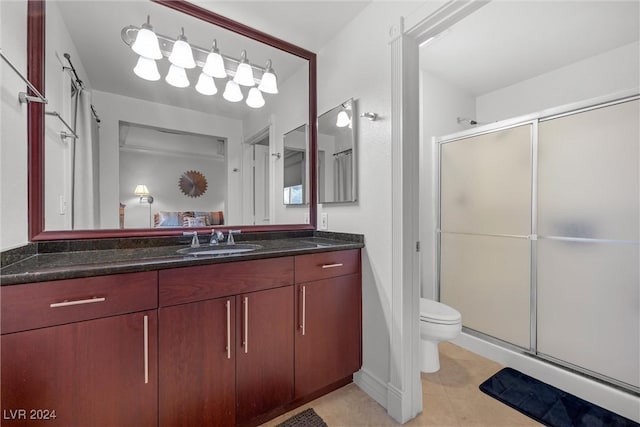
(244,73)
(343,119)
(232,92)
(255,99)
(181,55)
(214,65)
(177,76)
(206,85)
(146,43)
(147,69)
(269,81)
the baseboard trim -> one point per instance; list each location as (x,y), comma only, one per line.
(611,398)
(371,385)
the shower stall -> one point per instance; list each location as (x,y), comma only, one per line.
(539,235)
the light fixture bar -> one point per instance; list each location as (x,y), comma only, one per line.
(130,32)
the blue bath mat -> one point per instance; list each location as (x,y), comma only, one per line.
(547,404)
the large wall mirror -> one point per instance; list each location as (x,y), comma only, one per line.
(337,154)
(134,145)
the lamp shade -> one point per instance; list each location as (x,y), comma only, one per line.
(244,73)
(255,99)
(146,43)
(177,76)
(343,119)
(232,92)
(141,190)
(214,66)
(269,83)
(206,85)
(181,54)
(147,69)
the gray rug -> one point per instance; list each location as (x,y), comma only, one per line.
(306,418)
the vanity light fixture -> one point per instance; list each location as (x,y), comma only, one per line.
(215,65)
(232,92)
(255,99)
(244,72)
(142,191)
(181,54)
(146,43)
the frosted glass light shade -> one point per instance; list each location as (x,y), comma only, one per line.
(206,85)
(343,119)
(177,76)
(146,43)
(181,55)
(255,99)
(244,75)
(214,66)
(147,69)
(269,83)
(232,92)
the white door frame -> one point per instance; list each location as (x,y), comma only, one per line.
(404,390)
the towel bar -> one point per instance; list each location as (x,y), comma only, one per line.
(22,96)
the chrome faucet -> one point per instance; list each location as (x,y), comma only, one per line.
(230,240)
(195,243)
(216,237)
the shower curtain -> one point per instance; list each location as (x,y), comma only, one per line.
(85,174)
(342,171)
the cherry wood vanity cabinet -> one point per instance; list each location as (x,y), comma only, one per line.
(328,338)
(80,352)
(226,341)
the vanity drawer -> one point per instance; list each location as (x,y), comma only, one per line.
(327,264)
(38,305)
(189,284)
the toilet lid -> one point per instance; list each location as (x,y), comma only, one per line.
(437,312)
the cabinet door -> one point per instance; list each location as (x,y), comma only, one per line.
(265,351)
(328,338)
(94,373)
(197,364)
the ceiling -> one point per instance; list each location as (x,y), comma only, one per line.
(506,42)
(95,29)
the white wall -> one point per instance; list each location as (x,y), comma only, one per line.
(610,72)
(440,106)
(114,108)
(13,126)
(357,63)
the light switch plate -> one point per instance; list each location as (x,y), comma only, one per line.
(324,221)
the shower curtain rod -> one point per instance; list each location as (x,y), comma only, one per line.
(348,150)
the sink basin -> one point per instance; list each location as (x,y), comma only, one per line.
(220,249)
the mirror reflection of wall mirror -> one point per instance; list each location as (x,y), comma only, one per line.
(143,120)
(336,154)
(294,159)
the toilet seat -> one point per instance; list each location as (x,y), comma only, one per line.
(436,312)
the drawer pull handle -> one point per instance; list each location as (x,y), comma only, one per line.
(146,349)
(246,325)
(332,265)
(77,302)
(304,309)
(228,329)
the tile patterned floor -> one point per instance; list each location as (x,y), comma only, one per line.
(451,398)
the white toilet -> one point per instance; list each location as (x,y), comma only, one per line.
(438,322)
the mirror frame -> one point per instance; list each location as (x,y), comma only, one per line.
(35,127)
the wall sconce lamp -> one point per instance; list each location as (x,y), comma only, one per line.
(370,116)
(142,191)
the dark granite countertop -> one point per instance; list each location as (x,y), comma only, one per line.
(128,256)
